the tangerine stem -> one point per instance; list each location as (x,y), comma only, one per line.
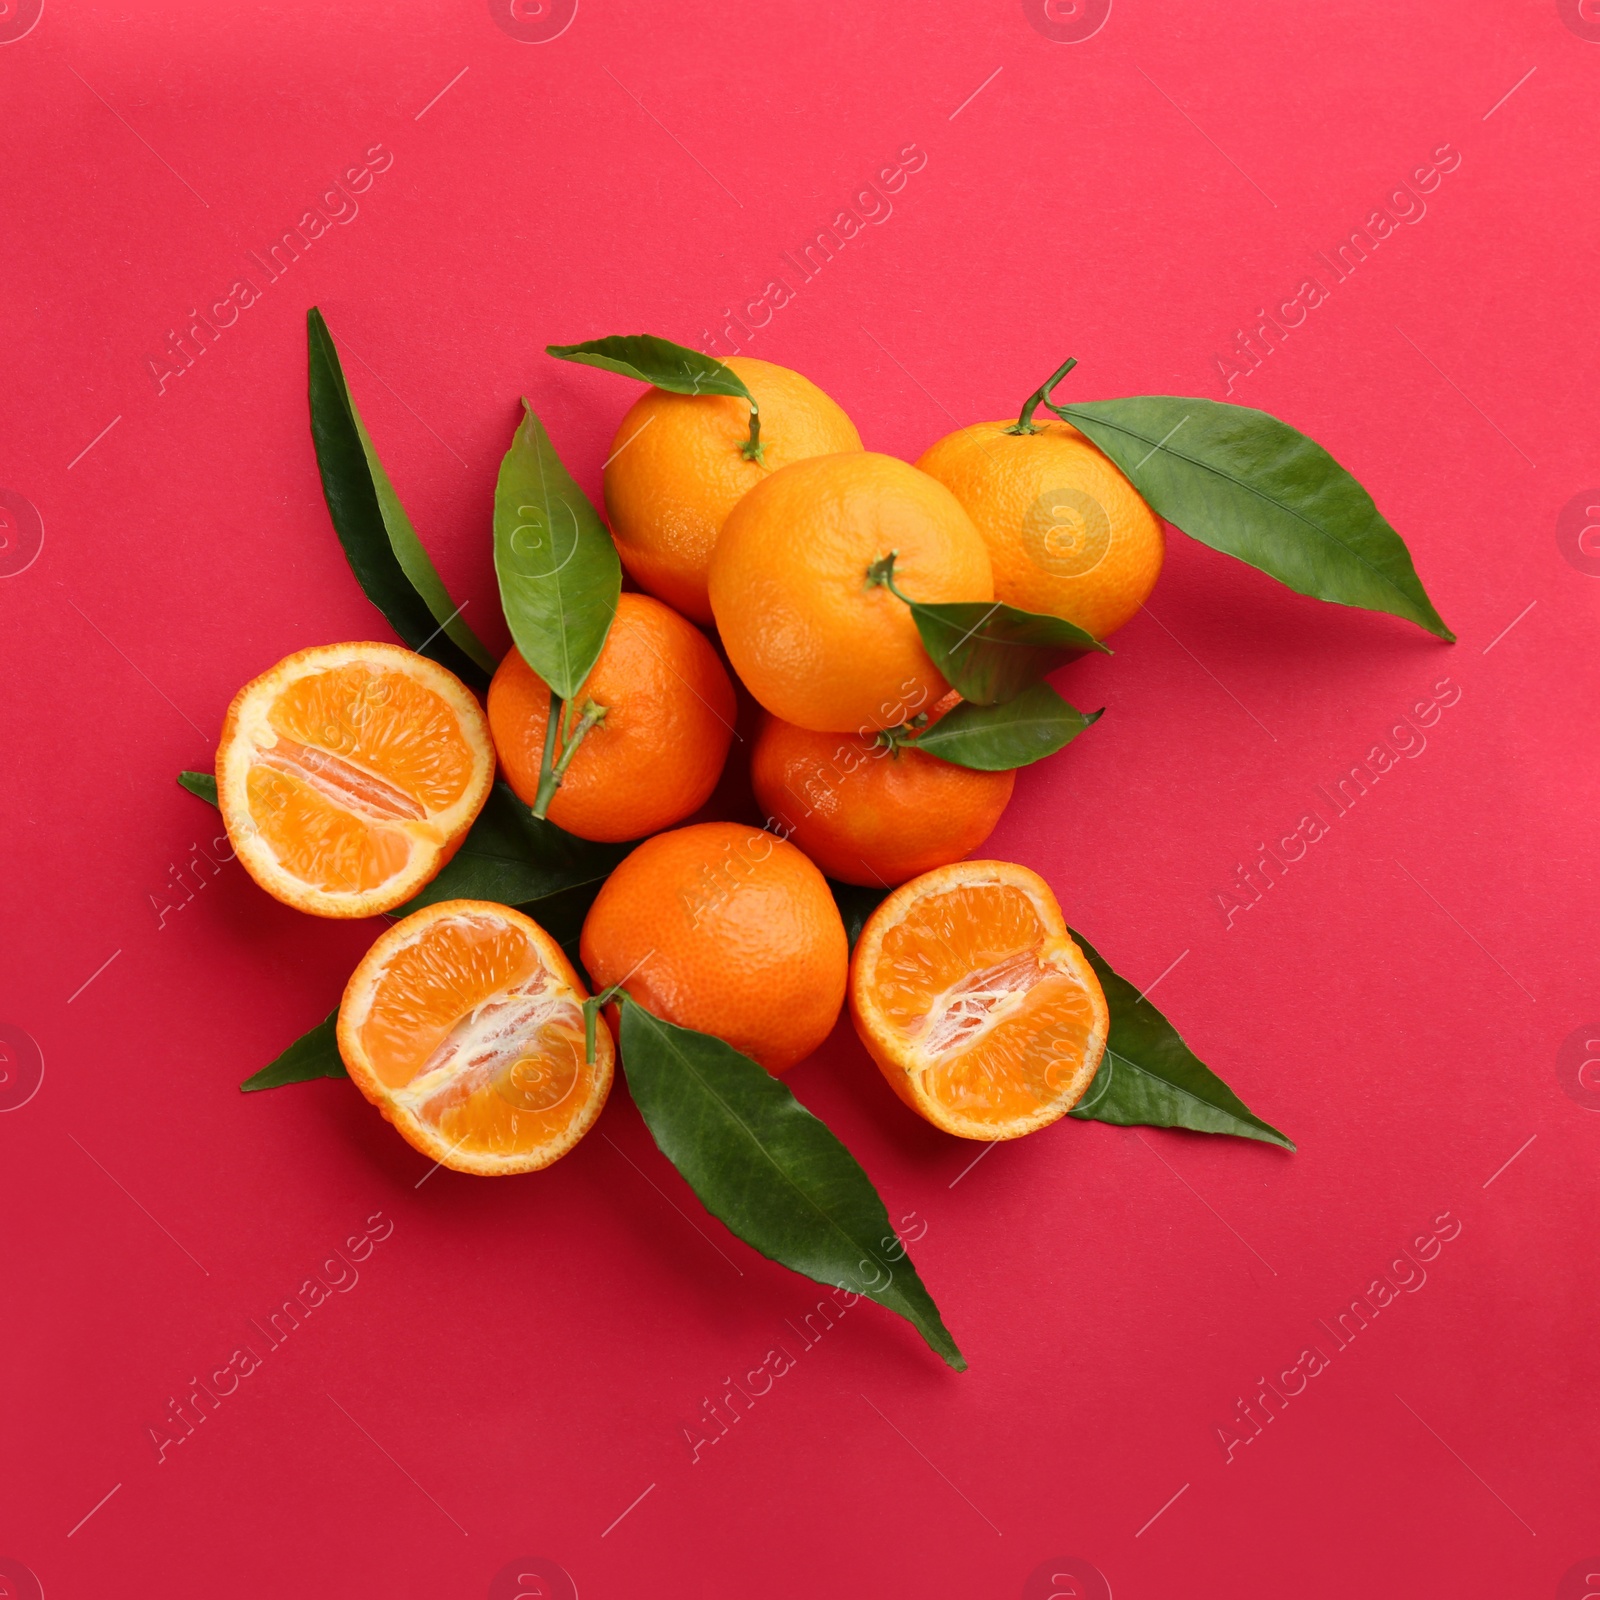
(753,449)
(1041,397)
(882,572)
(591,1010)
(550,776)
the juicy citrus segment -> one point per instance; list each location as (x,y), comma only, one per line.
(970,995)
(406,736)
(464,1026)
(317,840)
(348,774)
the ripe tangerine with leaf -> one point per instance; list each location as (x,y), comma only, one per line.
(872,809)
(726,929)
(1067,532)
(666,717)
(678,466)
(810,635)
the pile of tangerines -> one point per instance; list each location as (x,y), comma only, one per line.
(349,774)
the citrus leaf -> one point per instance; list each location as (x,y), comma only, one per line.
(312,1055)
(1253,487)
(1035,724)
(514,857)
(991,652)
(658,361)
(558,569)
(1149,1076)
(203,784)
(562,916)
(856,903)
(379,542)
(769,1169)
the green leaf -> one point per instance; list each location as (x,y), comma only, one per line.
(562,916)
(658,361)
(203,784)
(514,857)
(1253,487)
(558,569)
(1150,1076)
(991,652)
(379,542)
(1035,724)
(769,1169)
(856,903)
(312,1055)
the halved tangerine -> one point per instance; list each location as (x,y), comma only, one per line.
(349,773)
(463,1025)
(969,993)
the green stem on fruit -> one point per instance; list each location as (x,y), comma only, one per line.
(591,1009)
(753,449)
(1041,397)
(551,772)
(881,572)
(894,740)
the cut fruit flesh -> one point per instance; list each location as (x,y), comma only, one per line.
(348,773)
(977,1006)
(464,1026)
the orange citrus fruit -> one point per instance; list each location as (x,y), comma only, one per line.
(464,1027)
(669,716)
(1068,534)
(870,813)
(812,640)
(969,993)
(676,470)
(349,773)
(728,930)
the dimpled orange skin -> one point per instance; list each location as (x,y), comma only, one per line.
(808,637)
(676,471)
(656,758)
(1092,556)
(869,816)
(728,930)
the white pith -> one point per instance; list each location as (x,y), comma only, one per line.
(486,1042)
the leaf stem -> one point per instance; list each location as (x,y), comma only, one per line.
(548,781)
(1041,397)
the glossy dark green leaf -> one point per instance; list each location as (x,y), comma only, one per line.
(1253,487)
(379,542)
(856,903)
(558,569)
(769,1169)
(991,652)
(1149,1076)
(562,915)
(312,1055)
(514,857)
(658,361)
(1033,725)
(203,784)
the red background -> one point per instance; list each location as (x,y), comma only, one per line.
(515,1364)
